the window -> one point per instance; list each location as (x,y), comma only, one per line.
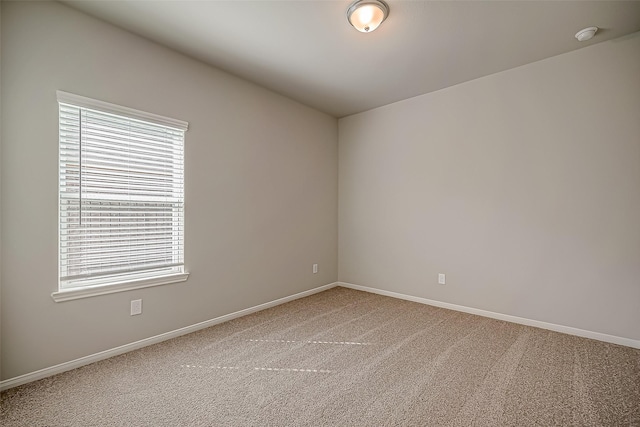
(121,198)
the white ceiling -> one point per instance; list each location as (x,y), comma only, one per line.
(307,50)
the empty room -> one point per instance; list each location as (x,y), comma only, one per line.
(320,213)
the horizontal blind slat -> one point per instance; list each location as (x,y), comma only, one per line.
(120,271)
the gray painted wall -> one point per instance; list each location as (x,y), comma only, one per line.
(261,186)
(0,193)
(523,187)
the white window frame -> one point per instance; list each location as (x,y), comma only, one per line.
(116,283)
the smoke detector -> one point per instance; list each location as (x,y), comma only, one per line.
(586,34)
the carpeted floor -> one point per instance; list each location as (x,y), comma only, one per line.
(346,358)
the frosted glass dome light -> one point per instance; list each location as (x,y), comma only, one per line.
(367,15)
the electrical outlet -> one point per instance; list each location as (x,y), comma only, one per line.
(315,268)
(441,279)
(136,307)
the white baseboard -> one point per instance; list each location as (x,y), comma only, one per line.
(73,364)
(628,342)
(67,366)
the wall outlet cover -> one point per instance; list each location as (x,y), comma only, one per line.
(136,307)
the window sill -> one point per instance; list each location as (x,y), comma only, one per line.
(92,291)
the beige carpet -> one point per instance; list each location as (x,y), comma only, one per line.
(346,358)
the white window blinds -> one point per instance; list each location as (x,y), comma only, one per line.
(121,194)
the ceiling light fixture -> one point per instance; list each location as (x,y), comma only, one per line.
(586,34)
(367,15)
